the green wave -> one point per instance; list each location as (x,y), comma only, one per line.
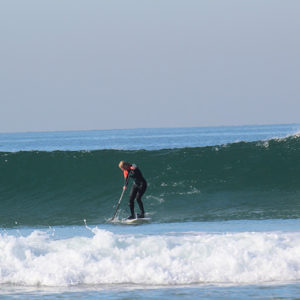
(246,180)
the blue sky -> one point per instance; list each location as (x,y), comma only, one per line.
(78,65)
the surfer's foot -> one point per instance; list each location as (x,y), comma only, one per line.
(130,218)
(141,215)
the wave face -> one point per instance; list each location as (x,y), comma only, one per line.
(172,259)
(245,180)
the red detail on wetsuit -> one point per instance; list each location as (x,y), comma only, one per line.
(126,171)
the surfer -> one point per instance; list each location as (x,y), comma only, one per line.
(138,188)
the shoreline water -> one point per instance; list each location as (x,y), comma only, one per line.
(260,291)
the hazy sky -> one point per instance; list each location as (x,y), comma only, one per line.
(71,65)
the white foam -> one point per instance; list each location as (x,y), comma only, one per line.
(108,258)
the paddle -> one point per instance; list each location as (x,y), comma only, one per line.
(118,205)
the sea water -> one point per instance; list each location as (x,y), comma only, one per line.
(224,203)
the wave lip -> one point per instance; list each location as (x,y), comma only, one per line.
(172,259)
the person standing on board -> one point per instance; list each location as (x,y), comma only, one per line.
(138,188)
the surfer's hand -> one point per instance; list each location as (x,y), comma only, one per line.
(124,187)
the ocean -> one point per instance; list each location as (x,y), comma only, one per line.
(224,204)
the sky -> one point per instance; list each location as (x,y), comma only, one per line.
(93,64)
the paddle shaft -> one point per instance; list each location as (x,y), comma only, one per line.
(118,205)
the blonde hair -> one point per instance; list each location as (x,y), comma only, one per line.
(123,164)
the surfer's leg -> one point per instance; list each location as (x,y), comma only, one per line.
(132,196)
(141,206)
(139,195)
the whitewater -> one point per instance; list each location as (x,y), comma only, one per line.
(224,204)
(160,257)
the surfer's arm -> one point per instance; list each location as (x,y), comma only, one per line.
(126,176)
(125,183)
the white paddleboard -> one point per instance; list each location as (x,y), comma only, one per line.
(136,221)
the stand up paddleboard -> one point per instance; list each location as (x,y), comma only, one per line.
(136,221)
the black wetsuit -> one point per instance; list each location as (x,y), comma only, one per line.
(137,190)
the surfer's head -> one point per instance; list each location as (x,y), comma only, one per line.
(123,165)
